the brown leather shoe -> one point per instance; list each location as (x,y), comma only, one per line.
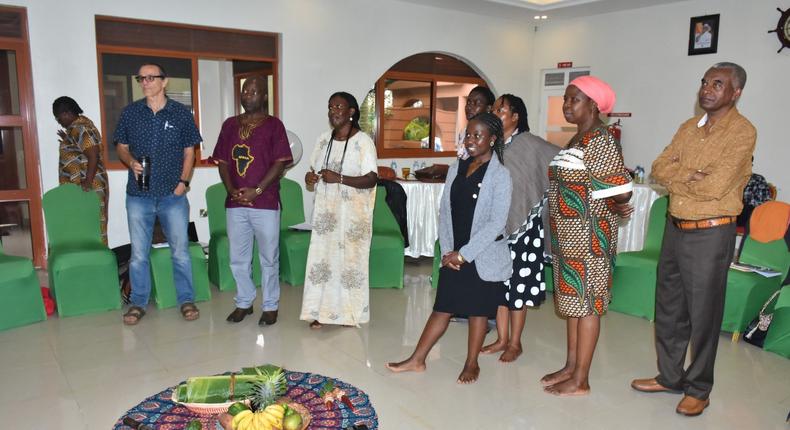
(691,406)
(268,318)
(650,385)
(238,314)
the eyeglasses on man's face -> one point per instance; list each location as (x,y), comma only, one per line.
(147,78)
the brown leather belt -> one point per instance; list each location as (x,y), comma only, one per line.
(684,224)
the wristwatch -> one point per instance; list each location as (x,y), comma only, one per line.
(184,181)
(259,191)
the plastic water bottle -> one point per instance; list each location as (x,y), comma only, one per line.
(144,179)
(394,166)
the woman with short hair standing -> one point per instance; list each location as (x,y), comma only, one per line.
(475,256)
(527,158)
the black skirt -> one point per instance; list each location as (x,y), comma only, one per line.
(462,292)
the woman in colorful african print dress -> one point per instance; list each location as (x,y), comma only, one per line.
(81,154)
(589,188)
(343,175)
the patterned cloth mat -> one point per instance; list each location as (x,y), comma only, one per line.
(160,412)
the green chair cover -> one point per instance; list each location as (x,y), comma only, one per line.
(293,244)
(778,338)
(747,292)
(163,284)
(548,274)
(386,262)
(634,278)
(219,272)
(21,302)
(83,272)
(437,264)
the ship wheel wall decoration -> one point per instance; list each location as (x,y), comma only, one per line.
(782,29)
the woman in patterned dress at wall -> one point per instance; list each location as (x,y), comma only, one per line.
(589,188)
(343,175)
(81,154)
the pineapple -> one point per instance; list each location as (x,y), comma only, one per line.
(270,387)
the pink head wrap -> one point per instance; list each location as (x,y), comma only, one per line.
(598,90)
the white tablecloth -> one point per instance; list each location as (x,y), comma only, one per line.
(422,216)
(632,231)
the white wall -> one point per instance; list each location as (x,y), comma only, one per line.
(642,53)
(326,46)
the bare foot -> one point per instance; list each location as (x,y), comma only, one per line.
(568,388)
(469,374)
(409,365)
(511,353)
(491,348)
(315,325)
(556,377)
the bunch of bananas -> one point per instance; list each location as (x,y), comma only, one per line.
(270,418)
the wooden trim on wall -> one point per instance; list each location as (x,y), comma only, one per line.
(26,120)
(194,55)
(418,77)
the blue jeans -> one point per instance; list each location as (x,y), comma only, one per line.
(173,214)
(244,226)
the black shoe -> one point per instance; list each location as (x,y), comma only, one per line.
(238,314)
(268,318)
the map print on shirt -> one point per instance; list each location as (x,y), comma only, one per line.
(243,158)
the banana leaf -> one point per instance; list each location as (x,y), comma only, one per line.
(259,370)
(216,389)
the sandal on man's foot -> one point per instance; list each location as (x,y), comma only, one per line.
(190,312)
(133,315)
(315,325)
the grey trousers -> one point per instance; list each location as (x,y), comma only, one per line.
(692,279)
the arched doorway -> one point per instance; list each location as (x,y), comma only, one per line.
(416,108)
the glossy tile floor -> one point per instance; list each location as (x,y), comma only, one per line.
(85,372)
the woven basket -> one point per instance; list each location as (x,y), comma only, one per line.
(208,408)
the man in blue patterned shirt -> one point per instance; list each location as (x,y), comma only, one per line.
(164,131)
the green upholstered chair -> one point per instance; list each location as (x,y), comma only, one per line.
(778,338)
(163,285)
(437,264)
(634,279)
(747,292)
(83,272)
(386,260)
(219,272)
(21,302)
(293,244)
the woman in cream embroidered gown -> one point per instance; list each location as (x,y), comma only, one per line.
(343,176)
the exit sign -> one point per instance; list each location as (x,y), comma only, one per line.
(565,65)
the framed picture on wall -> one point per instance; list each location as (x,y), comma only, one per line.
(704,34)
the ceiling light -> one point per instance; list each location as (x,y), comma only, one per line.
(537,16)
(544,17)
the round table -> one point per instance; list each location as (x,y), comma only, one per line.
(159,412)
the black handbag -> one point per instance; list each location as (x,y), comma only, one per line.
(758,328)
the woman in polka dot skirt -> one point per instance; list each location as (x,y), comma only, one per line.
(527,159)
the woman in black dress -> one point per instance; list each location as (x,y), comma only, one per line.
(475,256)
